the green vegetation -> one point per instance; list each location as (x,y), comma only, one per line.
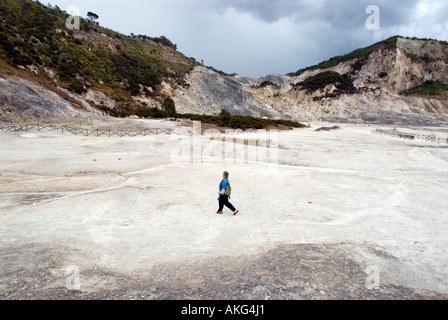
(429,88)
(225,119)
(343,83)
(161,40)
(360,54)
(136,71)
(34,34)
(415,58)
(222,73)
(168,107)
(92,16)
(265,84)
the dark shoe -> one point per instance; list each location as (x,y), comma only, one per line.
(219,212)
(236,212)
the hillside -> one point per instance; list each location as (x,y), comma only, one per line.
(51,72)
(95,64)
(396,81)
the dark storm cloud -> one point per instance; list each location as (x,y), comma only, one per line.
(268,10)
(343,14)
(330,27)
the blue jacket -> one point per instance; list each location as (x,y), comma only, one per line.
(223,185)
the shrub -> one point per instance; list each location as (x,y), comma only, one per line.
(76,86)
(168,106)
(426,58)
(225,119)
(165,41)
(343,83)
(20,59)
(136,71)
(220,72)
(265,84)
(429,88)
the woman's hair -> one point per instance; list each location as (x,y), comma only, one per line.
(226,174)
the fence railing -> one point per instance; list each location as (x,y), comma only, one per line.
(96,132)
(410,136)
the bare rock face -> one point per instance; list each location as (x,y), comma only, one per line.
(21,96)
(100,99)
(379,84)
(83,102)
(423,48)
(208,92)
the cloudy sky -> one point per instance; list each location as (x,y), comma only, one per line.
(259,37)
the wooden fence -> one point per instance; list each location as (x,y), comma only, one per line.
(96,132)
(410,136)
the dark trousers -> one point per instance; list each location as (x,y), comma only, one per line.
(224,201)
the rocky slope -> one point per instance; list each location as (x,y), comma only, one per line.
(208,92)
(90,67)
(54,73)
(385,74)
(379,78)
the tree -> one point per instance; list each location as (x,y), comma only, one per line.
(169,106)
(225,117)
(92,16)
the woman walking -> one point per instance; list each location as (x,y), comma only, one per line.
(223,198)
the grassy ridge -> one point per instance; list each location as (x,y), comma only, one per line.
(360,54)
